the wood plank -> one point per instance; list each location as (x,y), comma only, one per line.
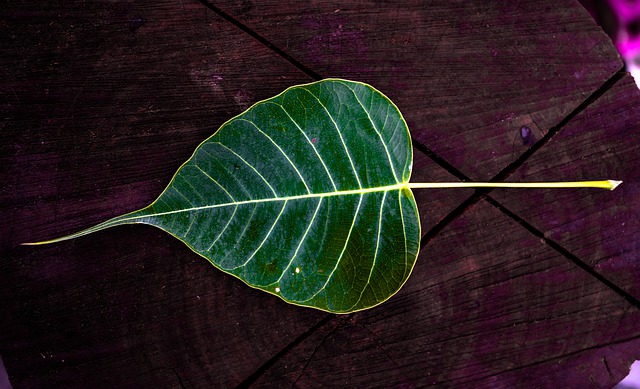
(99,115)
(601,228)
(488,306)
(468,76)
(476,109)
(138,86)
(103,102)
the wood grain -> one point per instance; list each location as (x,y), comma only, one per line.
(600,228)
(468,76)
(488,305)
(103,101)
(102,109)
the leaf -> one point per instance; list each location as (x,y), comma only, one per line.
(304,195)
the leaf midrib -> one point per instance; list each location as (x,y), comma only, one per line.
(386,188)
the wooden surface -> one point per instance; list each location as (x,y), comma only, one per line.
(103,101)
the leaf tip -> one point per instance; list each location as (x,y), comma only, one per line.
(33,243)
(614,184)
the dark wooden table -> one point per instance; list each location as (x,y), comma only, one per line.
(103,100)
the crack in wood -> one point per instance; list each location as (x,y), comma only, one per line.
(541,362)
(251,379)
(317,76)
(509,169)
(566,253)
(324,338)
(281,53)
(378,344)
(515,165)
(179,378)
(478,195)
(609,373)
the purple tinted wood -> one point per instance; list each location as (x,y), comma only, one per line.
(601,228)
(488,305)
(99,115)
(137,87)
(468,76)
(98,118)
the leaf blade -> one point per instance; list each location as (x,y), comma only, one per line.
(329,177)
(293,197)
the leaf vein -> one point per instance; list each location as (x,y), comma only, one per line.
(189,228)
(310,143)
(404,233)
(252,168)
(268,234)
(267,200)
(384,144)
(186,181)
(216,182)
(224,229)
(239,239)
(302,239)
(244,189)
(346,243)
(281,151)
(353,167)
(183,196)
(375,255)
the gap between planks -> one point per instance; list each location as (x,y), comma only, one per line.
(479,194)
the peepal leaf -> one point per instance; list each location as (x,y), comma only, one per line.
(304,195)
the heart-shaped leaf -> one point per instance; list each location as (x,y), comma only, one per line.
(304,195)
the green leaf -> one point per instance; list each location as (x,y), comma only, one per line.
(305,195)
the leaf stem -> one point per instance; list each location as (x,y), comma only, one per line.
(605,184)
(128,218)
(140,215)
